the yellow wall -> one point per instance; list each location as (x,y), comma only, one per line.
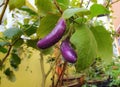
(26,78)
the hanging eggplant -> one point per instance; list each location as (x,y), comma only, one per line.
(54,36)
(68,52)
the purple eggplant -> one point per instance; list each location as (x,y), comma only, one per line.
(54,36)
(68,52)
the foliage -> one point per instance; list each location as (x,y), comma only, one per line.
(86,52)
(104,42)
(88,40)
(114,71)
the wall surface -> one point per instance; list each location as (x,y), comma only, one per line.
(116,14)
(28,75)
(116,22)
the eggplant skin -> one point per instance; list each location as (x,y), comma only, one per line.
(53,37)
(68,52)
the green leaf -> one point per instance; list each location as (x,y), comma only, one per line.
(3,43)
(15,60)
(63,4)
(7,72)
(30,11)
(98,9)
(72,11)
(47,51)
(16,4)
(75,3)
(3,50)
(12,32)
(32,43)
(80,20)
(30,29)
(46,25)
(2,67)
(44,6)
(19,43)
(94,1)
(86,47)
(104,42)
(10,75)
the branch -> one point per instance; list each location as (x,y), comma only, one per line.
(81,3)
(3,11)
(88,3)
(9,50)
(115,2)
(52,66)
(56,4)
(62,73)
(108,3)
(42,70)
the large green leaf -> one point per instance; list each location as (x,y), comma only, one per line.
(44,6)
(98,9)
(16,4)
(12,32)
(72,11)
(46,25)
(86,47)
(63,4)
(104,42)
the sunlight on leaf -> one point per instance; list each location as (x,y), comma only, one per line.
(72,11)
(98,9)
(16,4)
(104,42)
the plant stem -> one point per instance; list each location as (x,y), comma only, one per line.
(56,4)
(88,3)
(81,3)
(9,50)
(3,11)
(108,4)
(42,70)
(52,66)
(62,73)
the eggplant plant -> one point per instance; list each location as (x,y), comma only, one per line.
(67,32)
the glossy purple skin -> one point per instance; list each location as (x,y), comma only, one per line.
(68,52)
(54,36)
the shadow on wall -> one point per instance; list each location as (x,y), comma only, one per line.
(28,75)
